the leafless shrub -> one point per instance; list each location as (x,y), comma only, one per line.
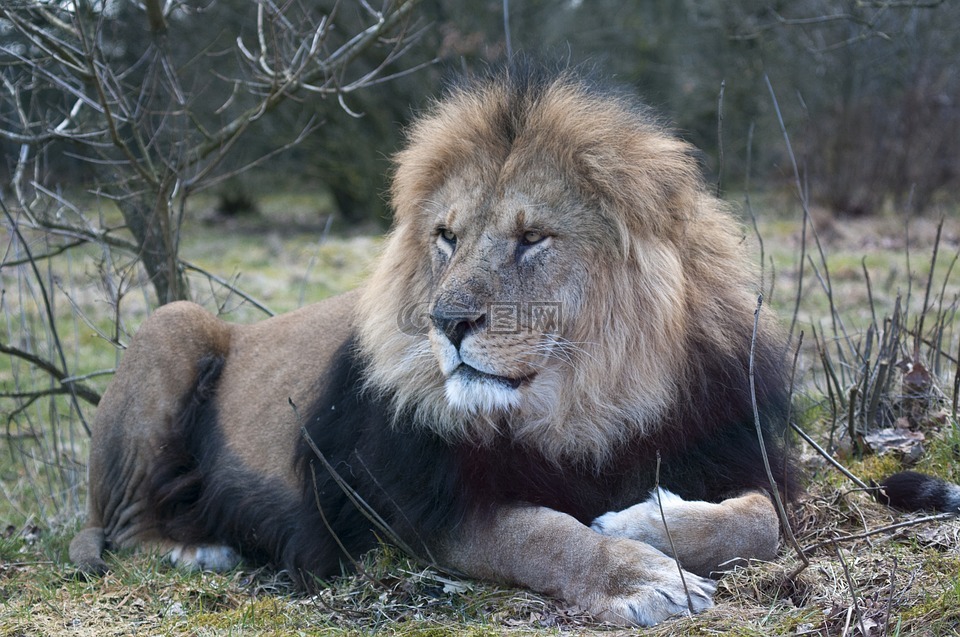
(883,381)
(148,110)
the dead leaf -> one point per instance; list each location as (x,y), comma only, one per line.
(908,445)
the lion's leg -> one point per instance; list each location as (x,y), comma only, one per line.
(615,579)
(707,537)
(161,373)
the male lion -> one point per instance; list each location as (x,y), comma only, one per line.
(589,312)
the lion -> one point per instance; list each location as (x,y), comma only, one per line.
(554,378)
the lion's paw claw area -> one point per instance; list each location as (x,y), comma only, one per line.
(650,604)
(635,584)
(212,557)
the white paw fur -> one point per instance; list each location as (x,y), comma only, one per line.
(204,557)
(631,521)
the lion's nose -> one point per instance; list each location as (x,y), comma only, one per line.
(456,325)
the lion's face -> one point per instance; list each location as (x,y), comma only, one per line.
(509,263)
(545,238)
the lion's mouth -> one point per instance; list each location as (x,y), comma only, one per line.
(468,373)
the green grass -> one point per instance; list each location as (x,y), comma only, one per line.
(284,259)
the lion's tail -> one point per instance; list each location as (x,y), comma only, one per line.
(86,550)
(912,491)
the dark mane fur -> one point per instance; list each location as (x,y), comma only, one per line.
(709,449)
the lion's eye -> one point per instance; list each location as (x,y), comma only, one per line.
(448,236)
(531,237)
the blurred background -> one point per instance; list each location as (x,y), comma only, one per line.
(870,91)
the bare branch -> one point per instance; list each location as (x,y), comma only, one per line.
(155,17)
(213,277)
(69,386)
(880,530)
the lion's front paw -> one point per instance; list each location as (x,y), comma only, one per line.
(644,587)
(649,603)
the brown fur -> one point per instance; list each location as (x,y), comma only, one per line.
(570,198)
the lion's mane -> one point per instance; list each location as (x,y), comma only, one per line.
(669,310)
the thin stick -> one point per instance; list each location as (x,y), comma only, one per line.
(355,497)
(793,376)
(775,491)
(946,279)
(426,548)
(723,85)
(926,293)
(749,205)
(58,346)
(956,388)
(866,277)
(336,537)
(853,590)
(232,288)
(883,529)
(893,576)
(357,500)
(663,518)
(71,384)
(851,417)
(506,28)
(823,452)
(803,203)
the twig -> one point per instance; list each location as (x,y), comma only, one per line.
(803,203)
(234,289)
(58,346)
(749,206)
(336,536)
(426,548)
(823,452)
(351,493)
(906,246)
(893,576)
(853,590)
(956,389)
(866,278)
(926,293)
(723,85)
(81,390)
(946,279)
(45,255)
(775,491)
(883,529)
(851,420)
(506,28)
(673,549)
(791,387)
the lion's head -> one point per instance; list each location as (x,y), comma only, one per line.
(566,256)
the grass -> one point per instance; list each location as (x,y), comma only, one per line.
(900,581)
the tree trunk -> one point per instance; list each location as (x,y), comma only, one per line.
(157,232)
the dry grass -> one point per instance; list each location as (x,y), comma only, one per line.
(898,581)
